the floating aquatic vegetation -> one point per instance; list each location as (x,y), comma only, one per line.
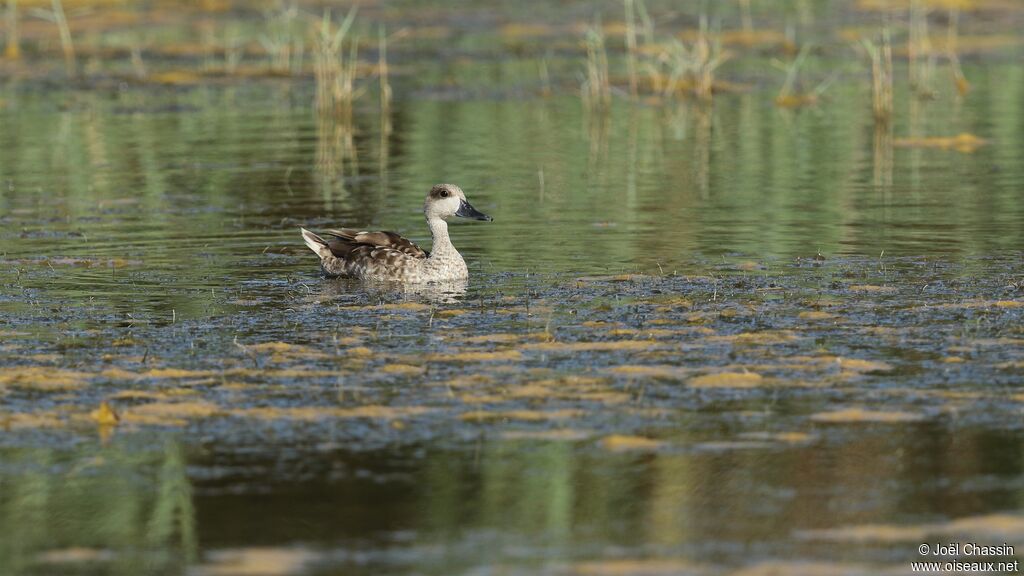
(857,415)
(40,378)
(998,527)
(963,142)
(727,380)
(622,443)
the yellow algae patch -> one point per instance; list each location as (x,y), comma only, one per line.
(871,288)
(119,374)
(380,411)
(284,350)
(319,413)
(752,338)
(853,415)
(1008,303)
(499,355)
(573,381)
(952,360)
(672,301)
(727,380)
(592,346)
(648,371)
(394,307)
(493,338)
(403,369)
(996,526)
(783,437)
(482,398)
(256,561)
(622,443)
(633,567)
(963,142)
(645,332)
(175,77)
(504,338)
(611,278)
(153,394)
(858,365)
(105,415)
(449,313)
(970,304)
(176,373)
(412,306)
(724,445)
(281,373)
(74,555)
(19,420)
(796,100)
(359,351)
(525,415)
(170,413)
(42,378)
(564,434)
(533,310)
(605,397)
(469,381)
(815,315)
(868,533)
(532,391)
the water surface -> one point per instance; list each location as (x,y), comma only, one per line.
(697,338)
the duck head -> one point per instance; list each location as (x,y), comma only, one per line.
(447,200)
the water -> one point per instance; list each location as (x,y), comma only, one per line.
(695,340)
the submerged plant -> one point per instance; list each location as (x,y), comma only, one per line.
(881,76)
(596,88)
(57,16)
(334,72)
(788,96)
(693,67)
(920,58)
(961,83)
(281,41)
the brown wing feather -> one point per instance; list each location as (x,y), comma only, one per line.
(348,242)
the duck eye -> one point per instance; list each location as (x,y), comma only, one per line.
(443,193)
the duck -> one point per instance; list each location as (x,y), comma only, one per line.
(383,256)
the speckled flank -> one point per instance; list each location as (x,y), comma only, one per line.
(386,256)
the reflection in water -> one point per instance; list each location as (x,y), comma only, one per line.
(883,157)
(124,503)
(448,292)
(702,123)
(336,158)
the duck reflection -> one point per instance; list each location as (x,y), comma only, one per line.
(441,292)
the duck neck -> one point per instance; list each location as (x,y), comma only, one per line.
(442,246)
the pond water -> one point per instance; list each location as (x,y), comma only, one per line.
(703,339)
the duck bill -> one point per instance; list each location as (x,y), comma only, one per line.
(467,211)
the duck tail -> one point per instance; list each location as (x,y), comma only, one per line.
(315,243)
